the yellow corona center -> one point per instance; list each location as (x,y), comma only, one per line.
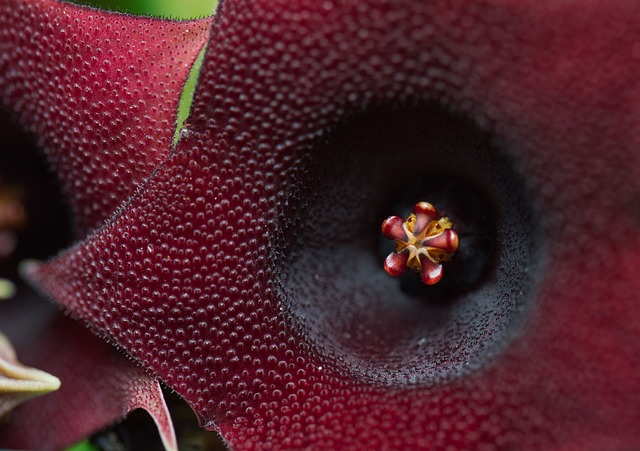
(414,243)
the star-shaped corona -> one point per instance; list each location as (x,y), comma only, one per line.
(422,243)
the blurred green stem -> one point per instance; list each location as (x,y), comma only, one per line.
(187,95)
(183,9)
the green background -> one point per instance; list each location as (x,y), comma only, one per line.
(179,9)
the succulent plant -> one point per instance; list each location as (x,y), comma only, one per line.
(243,267)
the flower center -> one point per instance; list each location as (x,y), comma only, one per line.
(399,331)
(422,243)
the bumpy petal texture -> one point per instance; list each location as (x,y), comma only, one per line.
(98,384)
(100,90)
(247,273)
(81,80)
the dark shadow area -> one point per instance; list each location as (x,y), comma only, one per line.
(331,250)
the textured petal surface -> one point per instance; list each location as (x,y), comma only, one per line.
(100,90)
(99,386)
(274,340)
(145,393)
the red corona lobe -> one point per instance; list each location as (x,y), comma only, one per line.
(422,242)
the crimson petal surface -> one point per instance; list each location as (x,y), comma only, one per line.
(188,278)
(100,90)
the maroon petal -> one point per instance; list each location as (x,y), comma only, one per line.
(100,90)
(99,386)
(277,342)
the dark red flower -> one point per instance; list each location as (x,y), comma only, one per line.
(246,272)
(100,91)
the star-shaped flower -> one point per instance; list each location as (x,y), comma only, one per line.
(100,93)
(244,271)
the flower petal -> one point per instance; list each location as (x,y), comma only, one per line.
(100,90)
(555,82)
(99,385)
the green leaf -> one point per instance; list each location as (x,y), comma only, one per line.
(84,445)
(186,98)
(184,9)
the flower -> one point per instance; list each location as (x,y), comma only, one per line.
(422,243)
(96,91)
(242,274)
